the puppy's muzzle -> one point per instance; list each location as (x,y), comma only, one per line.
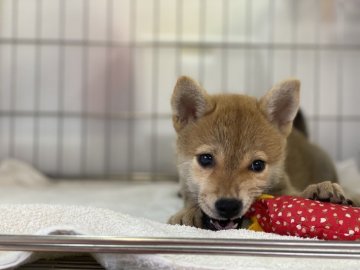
(228,208)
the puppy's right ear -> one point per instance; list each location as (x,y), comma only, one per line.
(189,102)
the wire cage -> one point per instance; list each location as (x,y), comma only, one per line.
(85,89)
(85,85)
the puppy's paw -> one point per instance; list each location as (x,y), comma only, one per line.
(326,192)
(191,216)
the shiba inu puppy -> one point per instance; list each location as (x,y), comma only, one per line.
(231,148)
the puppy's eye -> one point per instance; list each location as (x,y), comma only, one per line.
(257,165)
(206,160)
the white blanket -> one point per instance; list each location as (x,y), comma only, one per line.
(47,208)
(46,219)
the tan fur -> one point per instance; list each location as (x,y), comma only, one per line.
(236,130)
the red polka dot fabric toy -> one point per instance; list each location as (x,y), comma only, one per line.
(287,215)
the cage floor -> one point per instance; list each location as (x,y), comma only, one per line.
(137,199)
(65,263)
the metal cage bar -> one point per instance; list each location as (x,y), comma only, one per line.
(193,246)
(241,39)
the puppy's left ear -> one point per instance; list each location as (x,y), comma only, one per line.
(281,104)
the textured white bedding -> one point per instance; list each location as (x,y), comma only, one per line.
(156,201)
(153,201)
(54,219)
(21,184)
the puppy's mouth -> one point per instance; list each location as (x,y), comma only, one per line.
(218,225)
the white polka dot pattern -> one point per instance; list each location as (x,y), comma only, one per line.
(287,215)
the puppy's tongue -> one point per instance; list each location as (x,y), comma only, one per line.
(224,224)
(217,225)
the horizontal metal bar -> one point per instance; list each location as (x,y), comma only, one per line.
(250,247)
(176,44)
(140,115)
(135,177)
(110,116)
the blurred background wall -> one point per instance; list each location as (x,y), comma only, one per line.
(85,84)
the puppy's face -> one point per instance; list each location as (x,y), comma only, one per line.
(231,148)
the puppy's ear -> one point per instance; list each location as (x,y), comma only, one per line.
(189,102)
(281,104)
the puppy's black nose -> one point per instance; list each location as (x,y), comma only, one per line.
(228,208)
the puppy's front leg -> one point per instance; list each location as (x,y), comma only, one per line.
(189,215)
(327,192)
